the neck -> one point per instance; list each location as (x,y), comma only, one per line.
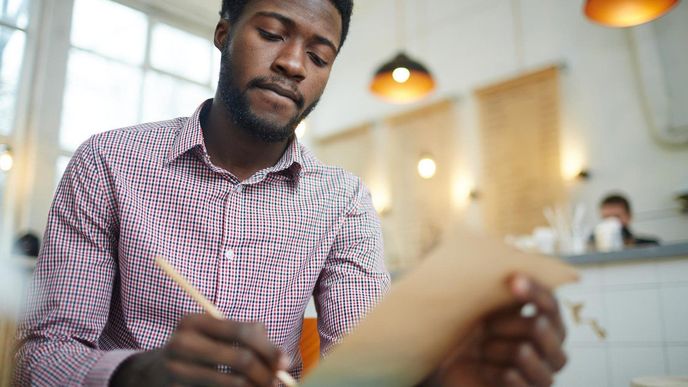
(232,148)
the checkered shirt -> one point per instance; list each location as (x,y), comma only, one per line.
(258,249)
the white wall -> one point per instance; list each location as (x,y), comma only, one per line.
(471,43)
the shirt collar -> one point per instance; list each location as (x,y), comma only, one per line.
(190,135)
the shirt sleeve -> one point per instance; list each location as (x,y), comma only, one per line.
(73,283)
(354,277)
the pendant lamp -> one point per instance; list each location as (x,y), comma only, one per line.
(626,13)
(402,79)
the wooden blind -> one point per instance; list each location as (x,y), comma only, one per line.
(520,151)
(353,150)
(421,206)
(387,155)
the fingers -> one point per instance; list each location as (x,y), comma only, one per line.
(249,335)
(527,291)
(512,378)
(537,330)
(202,351)
(532,367)
(194,374)
(201,343)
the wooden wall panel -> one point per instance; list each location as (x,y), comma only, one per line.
(421,206)
(353,150)
(385,156)
(520,151)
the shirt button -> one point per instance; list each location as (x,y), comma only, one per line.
(229,254)
(239,188)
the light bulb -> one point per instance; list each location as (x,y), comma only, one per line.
(427,168)
(6,161)
(401,74)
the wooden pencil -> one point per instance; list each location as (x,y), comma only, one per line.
(209,307)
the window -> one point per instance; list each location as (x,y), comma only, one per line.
(13,23)
(128,68)
(14,19)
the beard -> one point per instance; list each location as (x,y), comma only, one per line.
(238,107)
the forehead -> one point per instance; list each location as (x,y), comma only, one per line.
(613,208)
(319,15)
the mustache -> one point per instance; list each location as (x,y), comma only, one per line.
(265,82)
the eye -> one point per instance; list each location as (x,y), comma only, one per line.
(269,35)
(317,60)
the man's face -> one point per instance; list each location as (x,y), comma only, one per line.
(276,60)
(617,211)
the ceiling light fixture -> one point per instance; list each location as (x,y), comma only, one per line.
(402,79)
(626,13)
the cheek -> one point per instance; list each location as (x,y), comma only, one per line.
(317,86)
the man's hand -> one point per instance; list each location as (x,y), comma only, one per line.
(197,348)
(509,349)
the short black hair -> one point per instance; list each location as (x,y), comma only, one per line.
(617,199)
(232,9)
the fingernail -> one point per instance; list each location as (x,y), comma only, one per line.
(284,362)
(521,285)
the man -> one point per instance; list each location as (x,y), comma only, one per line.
(251,218)
(617,206)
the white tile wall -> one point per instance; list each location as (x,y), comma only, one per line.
(633,316)
(627,363)
(673,271)
(678,359)
(644,308)
(675,312)
(632,273)
(587,366)
(593,309)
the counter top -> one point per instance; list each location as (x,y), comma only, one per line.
(634,254)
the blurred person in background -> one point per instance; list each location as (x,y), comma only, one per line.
(618,206)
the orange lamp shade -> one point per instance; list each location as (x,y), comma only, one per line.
(626,13)
(402,80)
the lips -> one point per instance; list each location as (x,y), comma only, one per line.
(281,91)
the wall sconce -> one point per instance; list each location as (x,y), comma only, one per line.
(583,174)
(6,159)
(427,167)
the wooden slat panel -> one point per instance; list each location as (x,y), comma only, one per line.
(7,346)
(386,158)
(421,206)
(520,151)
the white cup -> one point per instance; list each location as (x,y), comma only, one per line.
(545,240)
(608,235)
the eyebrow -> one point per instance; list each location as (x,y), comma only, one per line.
(290,23)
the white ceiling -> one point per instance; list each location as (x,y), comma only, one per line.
(202,12)
(206,11)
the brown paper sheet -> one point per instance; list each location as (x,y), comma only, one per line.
(429,311)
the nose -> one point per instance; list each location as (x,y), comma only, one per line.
(290,62)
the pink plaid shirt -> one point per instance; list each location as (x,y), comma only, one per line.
(258,249)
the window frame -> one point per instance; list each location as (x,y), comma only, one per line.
(40,102)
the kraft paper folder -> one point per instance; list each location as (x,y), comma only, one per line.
(430,310)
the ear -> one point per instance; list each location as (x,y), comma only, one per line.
(222,30)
